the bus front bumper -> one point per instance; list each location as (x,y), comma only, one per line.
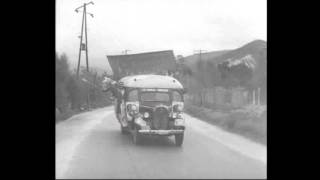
(161,132)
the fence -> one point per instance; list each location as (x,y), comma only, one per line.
(233,98)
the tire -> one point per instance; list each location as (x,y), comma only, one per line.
(136,137)
(179,139)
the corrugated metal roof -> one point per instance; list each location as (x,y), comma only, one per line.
(151,81)
(142,63)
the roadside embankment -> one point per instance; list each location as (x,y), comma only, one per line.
(250,121)
(61,116)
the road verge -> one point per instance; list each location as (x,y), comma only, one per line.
(245,122)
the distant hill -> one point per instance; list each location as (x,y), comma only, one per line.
(257,51)
(256,48)
(253,48)
(207,56)
(246,62)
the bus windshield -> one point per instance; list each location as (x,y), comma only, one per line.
(155,97)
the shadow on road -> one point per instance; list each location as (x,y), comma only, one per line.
(157,141)
(115,137)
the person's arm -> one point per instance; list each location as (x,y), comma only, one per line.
(108,84)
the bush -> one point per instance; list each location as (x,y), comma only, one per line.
(63,116)
(72,92)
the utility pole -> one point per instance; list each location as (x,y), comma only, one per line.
(201,71)
(80,45)
(125,51)
(83,46)
(200,59)
(259,96)
(87,60)
(253,97)
(199,52)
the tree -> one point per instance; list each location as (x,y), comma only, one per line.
(62,68)
(75,91)
(62,76)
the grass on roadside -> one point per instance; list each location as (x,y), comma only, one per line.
(70,112)
(65,115)
(244,122)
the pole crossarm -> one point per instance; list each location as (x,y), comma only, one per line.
(199,51)
(126,51)
(84,5)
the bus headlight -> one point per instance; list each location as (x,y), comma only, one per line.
(132,109)
(179,116)
(146,115)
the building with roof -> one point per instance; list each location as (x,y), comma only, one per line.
(158,62)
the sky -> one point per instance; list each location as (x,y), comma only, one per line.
(155,25)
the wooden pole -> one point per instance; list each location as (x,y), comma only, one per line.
(80,44)
(253,98)
(259,96)
(87,58)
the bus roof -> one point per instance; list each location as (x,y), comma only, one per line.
(151,81)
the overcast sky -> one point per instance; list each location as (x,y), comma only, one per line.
(153,25)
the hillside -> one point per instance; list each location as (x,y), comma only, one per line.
(253,55)
(207,56)
(256,48)
(244,66)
